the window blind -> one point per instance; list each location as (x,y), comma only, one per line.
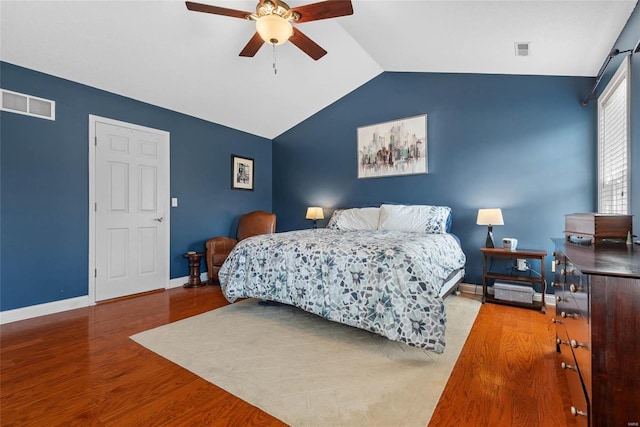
(613,145)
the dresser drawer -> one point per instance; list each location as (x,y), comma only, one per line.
(562,297)
(569,314)
(577,394)
(577,332)
(559,290)
(581,344)
(572,331)
(577,325)
(564,304)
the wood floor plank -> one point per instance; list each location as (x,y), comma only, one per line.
(506,374)
(80,368)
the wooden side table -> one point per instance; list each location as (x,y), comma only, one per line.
(534,254)
(194,269)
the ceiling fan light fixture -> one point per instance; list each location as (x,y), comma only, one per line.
(274,29)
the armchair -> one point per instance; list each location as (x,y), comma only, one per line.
(218,248)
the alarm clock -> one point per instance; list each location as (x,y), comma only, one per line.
(510,243)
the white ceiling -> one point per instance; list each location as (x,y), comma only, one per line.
(161,53)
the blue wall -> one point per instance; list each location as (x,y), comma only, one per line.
(44,185)
(521,143)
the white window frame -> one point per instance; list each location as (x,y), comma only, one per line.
(621,77)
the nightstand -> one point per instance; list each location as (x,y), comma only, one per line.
(513,277)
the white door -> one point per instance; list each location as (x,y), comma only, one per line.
(131,209)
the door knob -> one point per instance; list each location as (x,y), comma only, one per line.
(159,219)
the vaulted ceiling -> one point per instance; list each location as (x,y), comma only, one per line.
(161,53)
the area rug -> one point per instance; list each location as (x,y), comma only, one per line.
(308,371)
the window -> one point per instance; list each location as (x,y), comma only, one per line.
(613,144)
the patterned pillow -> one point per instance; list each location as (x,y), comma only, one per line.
(414,218)
(354,219)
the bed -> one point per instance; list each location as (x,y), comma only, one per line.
(385,270)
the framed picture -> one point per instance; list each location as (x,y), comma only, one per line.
(241,173)
(398,147)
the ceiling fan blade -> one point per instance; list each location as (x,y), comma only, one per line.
(199,7)
(253,46)
(323,10)
(307,45)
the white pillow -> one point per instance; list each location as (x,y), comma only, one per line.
(355,219)
(414,218)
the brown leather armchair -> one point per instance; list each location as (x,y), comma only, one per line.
(218,248)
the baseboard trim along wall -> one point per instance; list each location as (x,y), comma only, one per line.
(180,281)
(468,288)
(53,307)
(38,310)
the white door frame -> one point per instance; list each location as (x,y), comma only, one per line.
(92,197)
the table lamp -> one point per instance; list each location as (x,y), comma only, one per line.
(490,217)
(315,213)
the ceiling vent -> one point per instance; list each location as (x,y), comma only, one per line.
(28,105)
(523,48)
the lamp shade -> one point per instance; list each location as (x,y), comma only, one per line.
(490,217)
(274,29)
(315,212)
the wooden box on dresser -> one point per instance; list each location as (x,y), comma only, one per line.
(597,290)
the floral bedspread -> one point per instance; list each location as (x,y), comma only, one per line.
(386,282)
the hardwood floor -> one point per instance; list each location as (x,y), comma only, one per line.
(507,374)
(80,368)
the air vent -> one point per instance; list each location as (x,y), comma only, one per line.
(28,105)
(523,48)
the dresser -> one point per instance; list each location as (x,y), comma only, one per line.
(597,289)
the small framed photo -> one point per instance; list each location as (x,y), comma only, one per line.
(241,173)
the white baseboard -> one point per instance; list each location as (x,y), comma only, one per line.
(180,281)
(9,316)
(38,310)
(177,282)
(469,288)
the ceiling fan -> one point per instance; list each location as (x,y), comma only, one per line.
(274,19)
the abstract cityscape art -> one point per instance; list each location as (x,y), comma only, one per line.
(397,147)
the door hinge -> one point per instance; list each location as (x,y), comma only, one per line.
(95,206)
(95,141)
(95,272)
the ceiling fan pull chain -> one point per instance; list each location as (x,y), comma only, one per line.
(275,70)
